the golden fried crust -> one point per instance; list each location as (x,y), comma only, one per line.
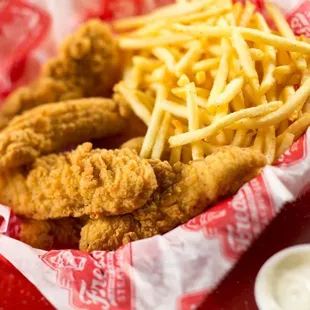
(87,66)
(84,181)
(109,234)
(53,234)
(192,189)
(51,127)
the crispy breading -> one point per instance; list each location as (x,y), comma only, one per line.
(52,234)
(135,128)
(83,181)
(193,187)
(87,66)
(51,127)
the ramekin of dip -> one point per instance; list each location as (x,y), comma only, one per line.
(283,283)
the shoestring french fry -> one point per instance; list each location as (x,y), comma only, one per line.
(286,31)
(176,152)
(256,54)
(193,119)
(270,144)
(162,136)
(298,128)
(215,127)
(247,14)
(221,74)
(249,34)
(156,118)
(178,9)
(259,139)
(285,143)
(140,110)
(203,74)
(239,137)
(293,103)
(248,141)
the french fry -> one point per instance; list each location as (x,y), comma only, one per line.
(246,61)
(200,77)
(206,64)
(186,155)
(215,127)
(193,119)
(239,137)
(282,126)
(299,126)
(229,93)
(259,140)
(222,73)
(249,34)
(286,31)
(176,152)
(154,124)
(306,107)
(237,11)
(216,73)
(166,56)
(162,136)
(247,14)
(183,80)
(285,143)
(209,148)
(192,55)
(256,54)
(174,108)
(148,42)
(248,141)
(238,102)
(270,145)
(168,11)
(284,70)
(144,63)
(296,100)
(181,93)
(274,40)
(140,110)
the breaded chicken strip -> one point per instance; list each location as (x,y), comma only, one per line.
(87,66)
(135,128)
(52,234)
(51,127)
(188,191)
(84,181)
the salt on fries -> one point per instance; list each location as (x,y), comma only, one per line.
(206,73)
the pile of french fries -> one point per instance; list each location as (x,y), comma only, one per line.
(208,73)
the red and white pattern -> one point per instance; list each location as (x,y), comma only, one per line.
(174,271)
(299,18)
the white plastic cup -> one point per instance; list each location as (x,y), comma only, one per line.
(283,283)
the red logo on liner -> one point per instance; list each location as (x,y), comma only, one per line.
(296,153)
(299,19)
(96,281)
(238,220)
(191,301)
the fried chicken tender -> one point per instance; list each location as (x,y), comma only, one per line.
(84,181)
(87,66)
(52,234)
(135,128)
(51,127)
(188,190)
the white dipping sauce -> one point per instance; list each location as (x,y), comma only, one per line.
(283,282)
